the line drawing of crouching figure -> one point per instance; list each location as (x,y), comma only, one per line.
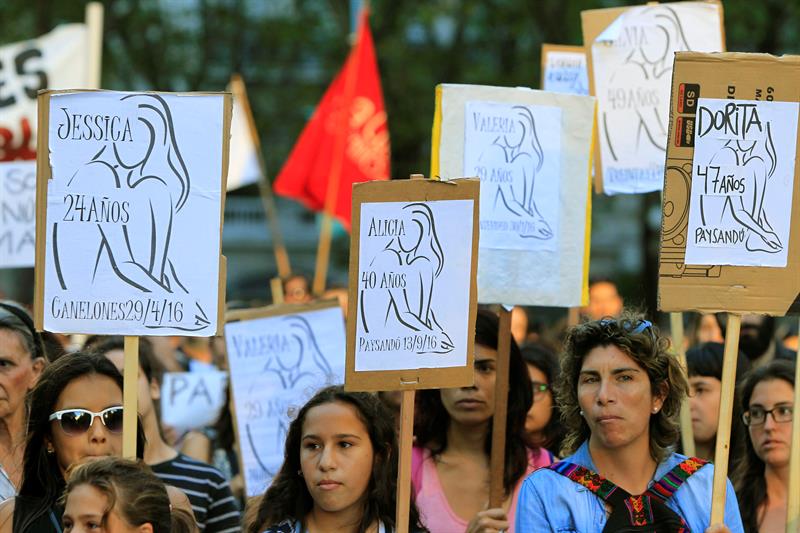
(417,260)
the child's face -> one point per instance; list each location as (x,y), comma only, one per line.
(336,458)
(86,511)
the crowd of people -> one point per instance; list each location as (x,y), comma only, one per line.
(592,436)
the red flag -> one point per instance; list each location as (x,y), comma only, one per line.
(336,150)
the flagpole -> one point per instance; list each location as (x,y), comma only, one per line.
(332,189)
(264,187)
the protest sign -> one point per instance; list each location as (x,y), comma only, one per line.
(730,168)
(130,193)
(564,69)
(630,53)
(17,214)
(729,200)
(192,400)
(532,153)
(56,60)
(279,357)
(412,274)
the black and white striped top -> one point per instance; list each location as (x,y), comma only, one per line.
(215,508)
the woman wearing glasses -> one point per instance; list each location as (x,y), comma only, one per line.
(75,413)
(763,478)
(620,393)
(542,426)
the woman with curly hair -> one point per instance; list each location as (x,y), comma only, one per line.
(620,394)
(339,471)
(450,471)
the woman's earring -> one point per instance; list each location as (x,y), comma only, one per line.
(300,473)
(581,412)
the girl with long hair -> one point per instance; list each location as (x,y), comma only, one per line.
(450,462)
(114,494)
(704,365)
(762,479)
(339,470)
(620,394)
(66,425)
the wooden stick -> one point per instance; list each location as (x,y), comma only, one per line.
(264,187)
(725,415)
(404,461)
(498,458)
(793,495)
(276,284)
(94,27)
(573,316)
(130,414)
(687,434)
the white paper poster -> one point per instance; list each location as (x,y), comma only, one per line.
(57,60)
(17,214)
(133,213)
(414,262)
(243,165)
(515,150)
(740,206)
(192,400)
(632,63)
(277,364)
(565,72)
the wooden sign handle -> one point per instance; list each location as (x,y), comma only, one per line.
(793,495)
(130,377)
(404,461)
(687,434)
(276,286)
(94,27)
(725,414)
(498,458)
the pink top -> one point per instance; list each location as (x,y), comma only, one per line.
(434,509)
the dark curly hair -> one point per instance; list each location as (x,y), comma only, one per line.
(650,351)
(432,418)
(287,498)
(748,477)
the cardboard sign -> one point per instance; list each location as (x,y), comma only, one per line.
(532,153)
(56,60)
(279,357)
(17,214)
(630,69)
(192,400)
(129,212)
(412,277)
(730,188)
(564,69)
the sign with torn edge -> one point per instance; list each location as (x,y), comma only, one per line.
(532,151)
(564,69)
(131,189)
(279,357)
(412,280)
(192,400)
(630,67)
(756,163)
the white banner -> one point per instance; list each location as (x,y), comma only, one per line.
(17,214)
(243,167)
(57,60)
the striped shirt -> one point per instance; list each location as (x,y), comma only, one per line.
(215,508)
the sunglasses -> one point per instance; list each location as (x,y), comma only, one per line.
(78,421)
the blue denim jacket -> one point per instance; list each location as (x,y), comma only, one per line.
(549,501)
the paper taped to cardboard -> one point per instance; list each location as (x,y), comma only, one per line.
(631,73)
(133,213)
(531,150)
